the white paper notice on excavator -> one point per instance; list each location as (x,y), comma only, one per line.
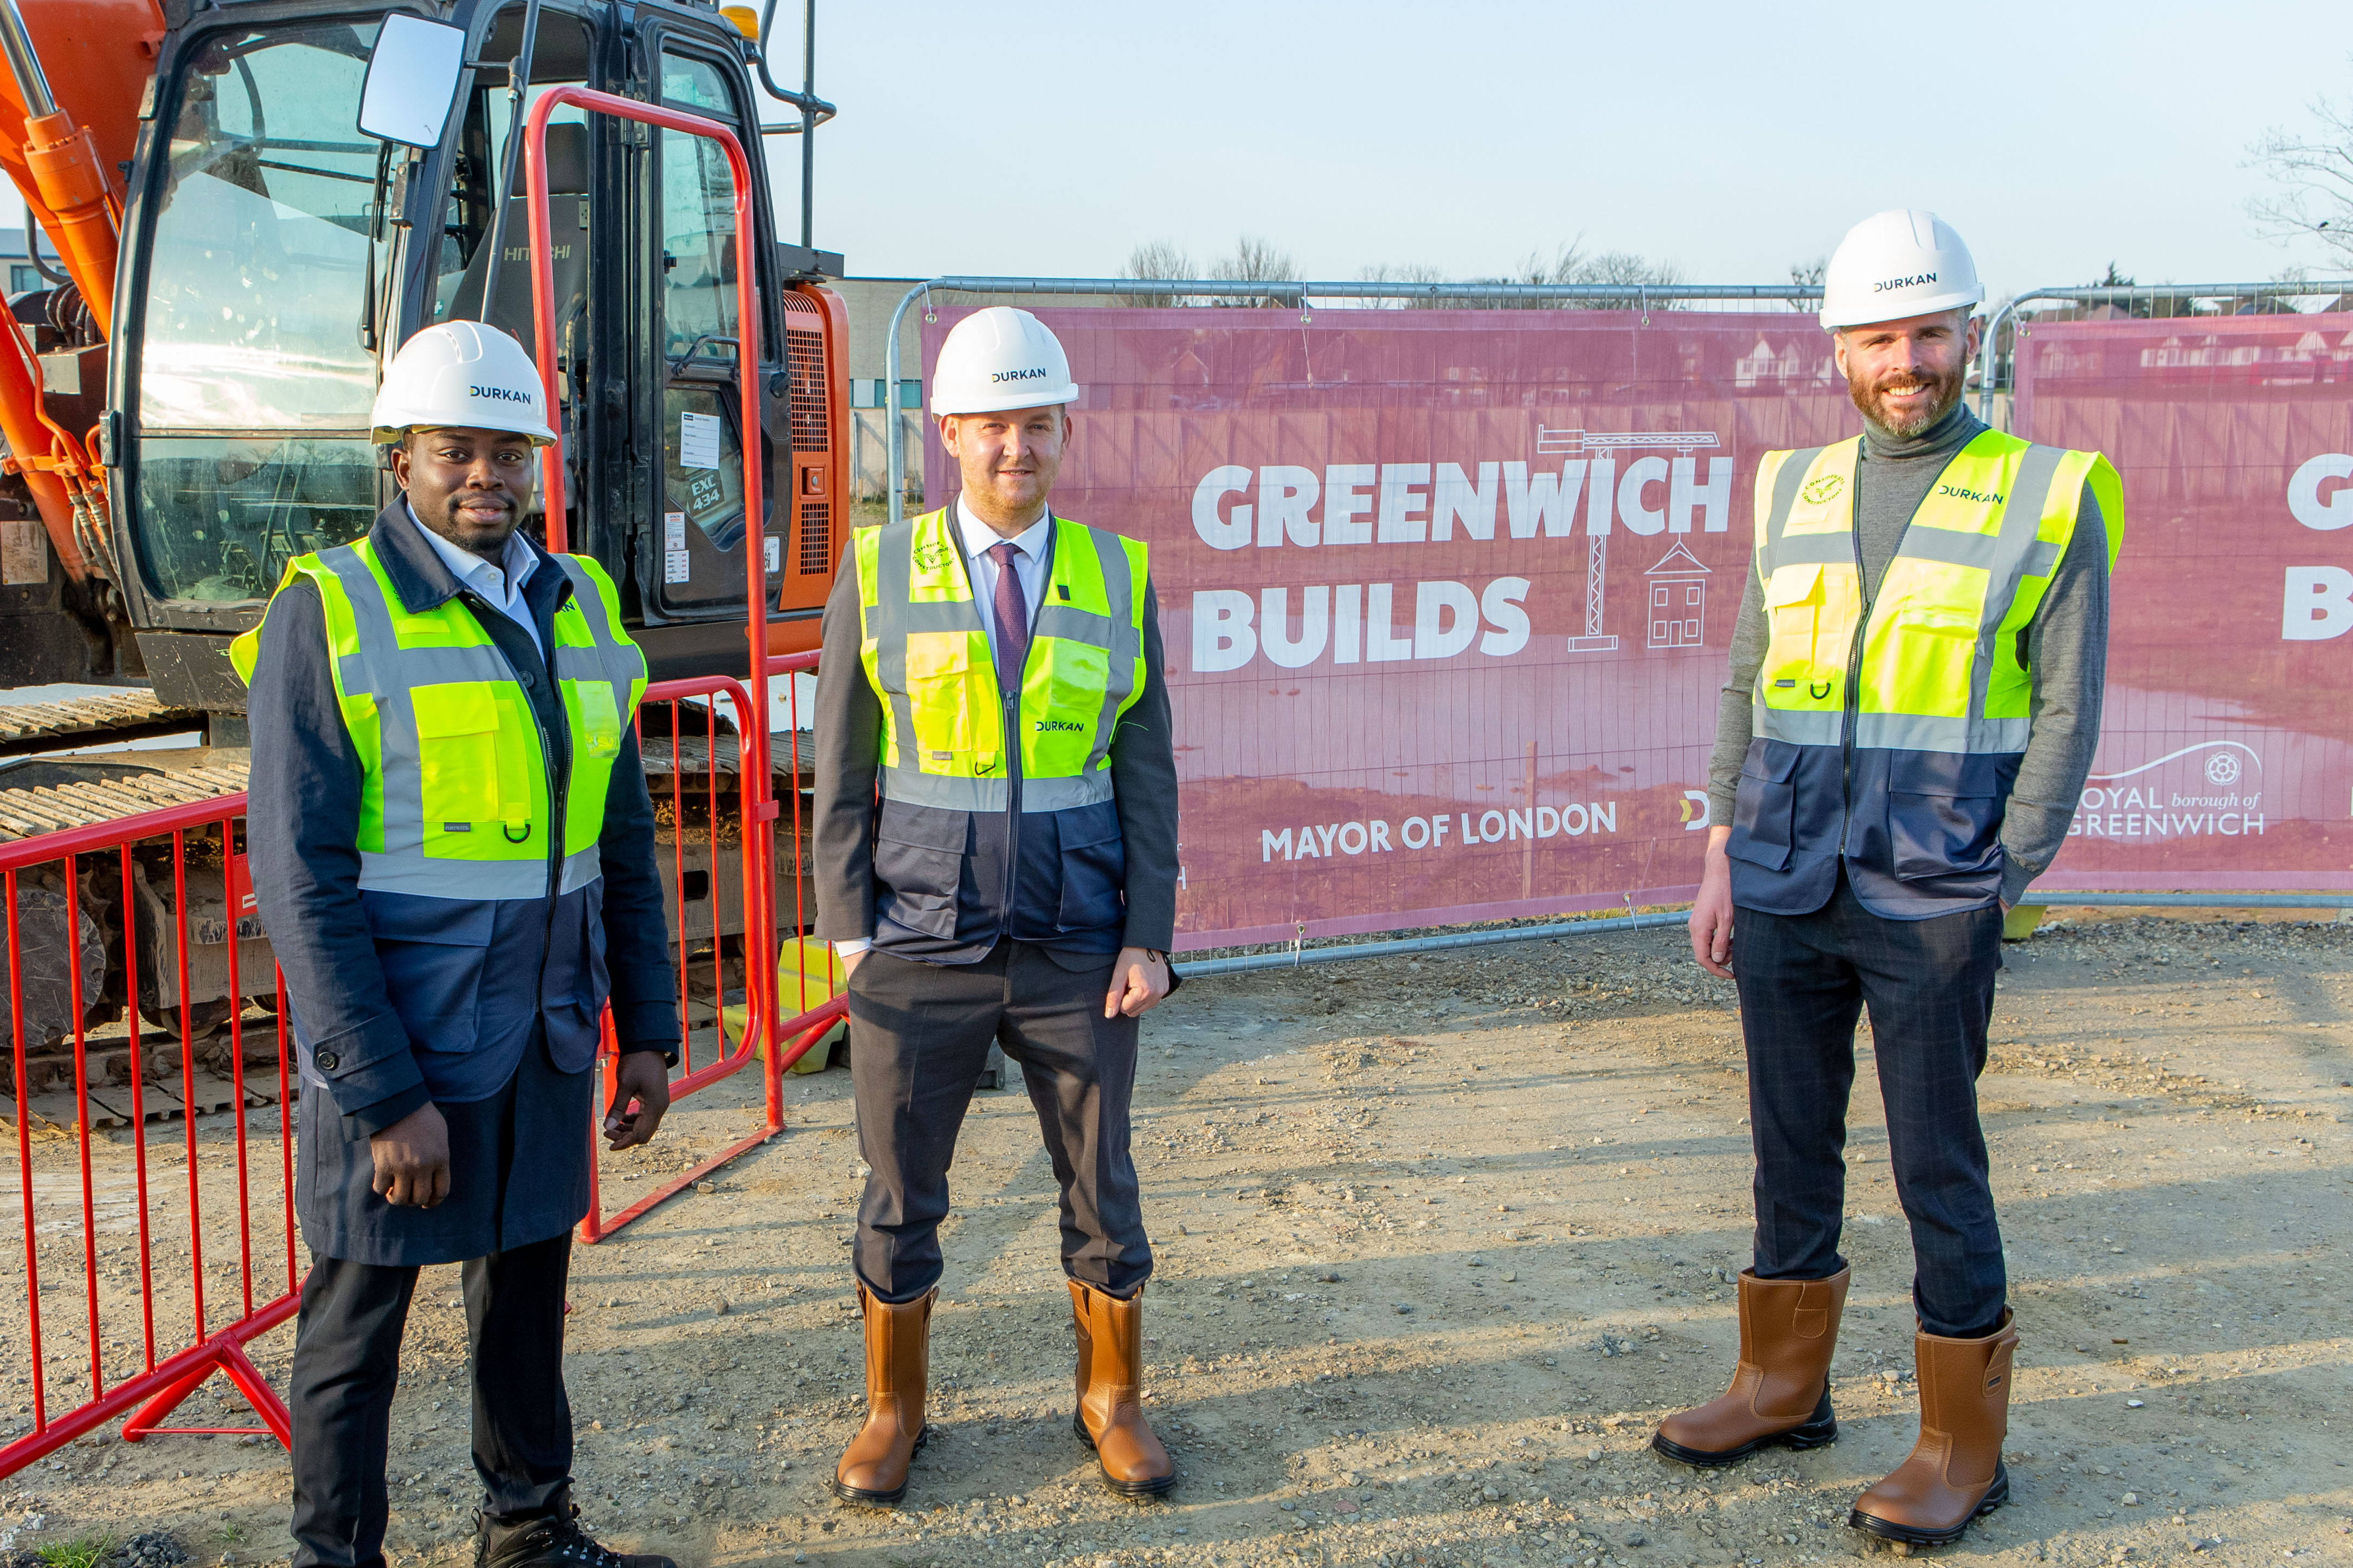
(698,440)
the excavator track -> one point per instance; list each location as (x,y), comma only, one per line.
(78,792)
(128,715)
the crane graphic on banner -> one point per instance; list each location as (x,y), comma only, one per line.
(1607,444)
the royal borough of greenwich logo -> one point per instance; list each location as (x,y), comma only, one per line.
(1825,488)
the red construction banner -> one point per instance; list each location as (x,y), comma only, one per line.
(2223,759)
(1447,595)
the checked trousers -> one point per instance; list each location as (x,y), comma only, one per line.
(1803,982)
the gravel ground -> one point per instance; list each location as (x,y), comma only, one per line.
(1439,1243)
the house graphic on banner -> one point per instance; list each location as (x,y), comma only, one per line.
(1604,449)
(1678,586)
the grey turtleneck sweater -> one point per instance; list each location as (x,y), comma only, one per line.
(2066,647)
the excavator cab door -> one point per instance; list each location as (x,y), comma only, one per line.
(691,565)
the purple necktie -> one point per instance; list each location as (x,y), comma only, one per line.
(1012,620)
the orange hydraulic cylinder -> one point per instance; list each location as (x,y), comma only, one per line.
(98,57)
(63,160)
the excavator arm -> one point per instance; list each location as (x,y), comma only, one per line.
(69,100)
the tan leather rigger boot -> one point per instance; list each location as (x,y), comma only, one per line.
(1110,1416)
(1780,1391)
(874,1469)
(1954,1473)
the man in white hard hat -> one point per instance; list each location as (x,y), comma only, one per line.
(1913,701)
(995,822)
(453,851)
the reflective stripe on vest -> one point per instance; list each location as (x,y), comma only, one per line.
(1938,667)
(454,792)
(926,654)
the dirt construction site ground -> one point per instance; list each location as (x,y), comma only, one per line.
(1438,1243)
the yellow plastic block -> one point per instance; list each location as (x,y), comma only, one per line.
(807,976)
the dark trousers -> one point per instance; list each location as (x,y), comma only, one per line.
(347,1363)
(919,1036)
(1929,985)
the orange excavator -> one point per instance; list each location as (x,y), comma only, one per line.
(186,397)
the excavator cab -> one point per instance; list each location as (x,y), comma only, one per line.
(274,255)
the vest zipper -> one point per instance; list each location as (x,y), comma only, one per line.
(1010,717)
(1870,596)
(556,788)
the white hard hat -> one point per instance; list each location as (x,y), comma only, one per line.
(464,375)
(1904,262)
(1000,358)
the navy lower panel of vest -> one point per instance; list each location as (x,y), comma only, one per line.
(940,880)
(472,979)
(1925,838)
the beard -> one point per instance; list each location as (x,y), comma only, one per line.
(1870,398)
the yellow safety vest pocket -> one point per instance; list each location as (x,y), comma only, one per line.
(601,719)
(1920,659)
(1077,676)
(457,759)
(942,669)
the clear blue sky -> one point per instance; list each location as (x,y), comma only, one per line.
(1730,138)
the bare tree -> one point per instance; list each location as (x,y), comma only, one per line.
(1808,275)
(1256,260)
(1627,269)
(2312,169)
(1404,272)
(1571,263)
(1561,267)
(1400,272)
(1159,260)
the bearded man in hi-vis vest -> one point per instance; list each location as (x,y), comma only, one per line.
(1913,702)
(454,854)
(995,860)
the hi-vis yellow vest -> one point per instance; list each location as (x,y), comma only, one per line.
(1938,667)
(454,801)
(926,648)
(1890,732)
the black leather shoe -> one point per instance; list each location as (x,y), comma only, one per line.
(552,1541)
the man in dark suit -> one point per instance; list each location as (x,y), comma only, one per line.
(997,861)
(452,849)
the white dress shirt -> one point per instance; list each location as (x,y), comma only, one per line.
(501,585)
(1028,564)
(1028,570)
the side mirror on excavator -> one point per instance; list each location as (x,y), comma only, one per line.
(412,79)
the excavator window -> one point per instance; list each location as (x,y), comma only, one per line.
(559,58)
(254,376)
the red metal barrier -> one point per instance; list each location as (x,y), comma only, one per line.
(758,939)
(67,867)
(150,1321)
(148,1328)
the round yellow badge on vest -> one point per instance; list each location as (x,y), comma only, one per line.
(1823,489)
